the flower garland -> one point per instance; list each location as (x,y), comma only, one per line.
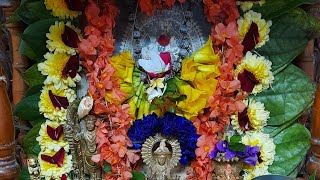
(61,68)
(96,49)
(233,73)
(169,125)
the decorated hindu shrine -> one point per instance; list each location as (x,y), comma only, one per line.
(159,90)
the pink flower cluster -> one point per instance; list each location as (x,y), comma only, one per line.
(226,100)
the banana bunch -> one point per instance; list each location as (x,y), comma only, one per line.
(139,105)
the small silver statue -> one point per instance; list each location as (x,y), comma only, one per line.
(33,168)
(161,160)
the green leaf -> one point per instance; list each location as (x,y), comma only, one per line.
(291,92)
(235,144)
(313,176)
(235,139)
(287,39)
(31,11)
(292,145)
(30,145)
(107,167)
(275,8)
(35,37)
(136,175)
(26,50)
(33,90)
(28,109)
(24,174)
(32,76)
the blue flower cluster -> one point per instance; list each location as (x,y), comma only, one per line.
(169,125)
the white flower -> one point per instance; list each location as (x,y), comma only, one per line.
(157,88)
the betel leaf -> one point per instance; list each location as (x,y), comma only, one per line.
(26,50)
(31,11)
(275,8)
(292,145)
(28,109)
(290,94)
(32,76)
(30,144)
(33,90)
(107,167)
(136,175)
(235,144)
(287,39)
(24,174)
(35,37)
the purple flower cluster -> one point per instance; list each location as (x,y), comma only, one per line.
(169,125)
(250,154)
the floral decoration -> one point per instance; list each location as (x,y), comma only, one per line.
(170,125)
(63,8)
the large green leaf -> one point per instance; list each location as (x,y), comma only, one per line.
(32,76)
(28,109)
(31,11)
(30,145)
(291,93)
(26,50)
(287,40)
(34,36)
(275,8)
(292,145)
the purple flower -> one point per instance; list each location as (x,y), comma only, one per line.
(250,155)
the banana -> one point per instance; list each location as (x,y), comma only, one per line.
(133,107)
(141,110)
(146,108)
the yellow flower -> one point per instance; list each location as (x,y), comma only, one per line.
(201,71)
(54,67)
(195,101)
(266,145)
(60,9)
(253,118)
(156,89)
(52,171)
(202,68)
(47,144)
(123,65)
(254,71)
(258,171)
(247,5)
(53,108)
(244,24)
(55,41)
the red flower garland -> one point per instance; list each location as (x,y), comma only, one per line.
(96,50)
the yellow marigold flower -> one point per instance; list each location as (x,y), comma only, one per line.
(202,68)
(61,70)
(53,171)
(60,9)
(55,41)
(195,102)
(123,65)
(247,5)
(258,171)
(266,145)
(254,73)
(244,24)
(252,118)
(53,103)
(47,144)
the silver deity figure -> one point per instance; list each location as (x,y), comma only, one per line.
(86,148)
(33,168)
(161,160)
